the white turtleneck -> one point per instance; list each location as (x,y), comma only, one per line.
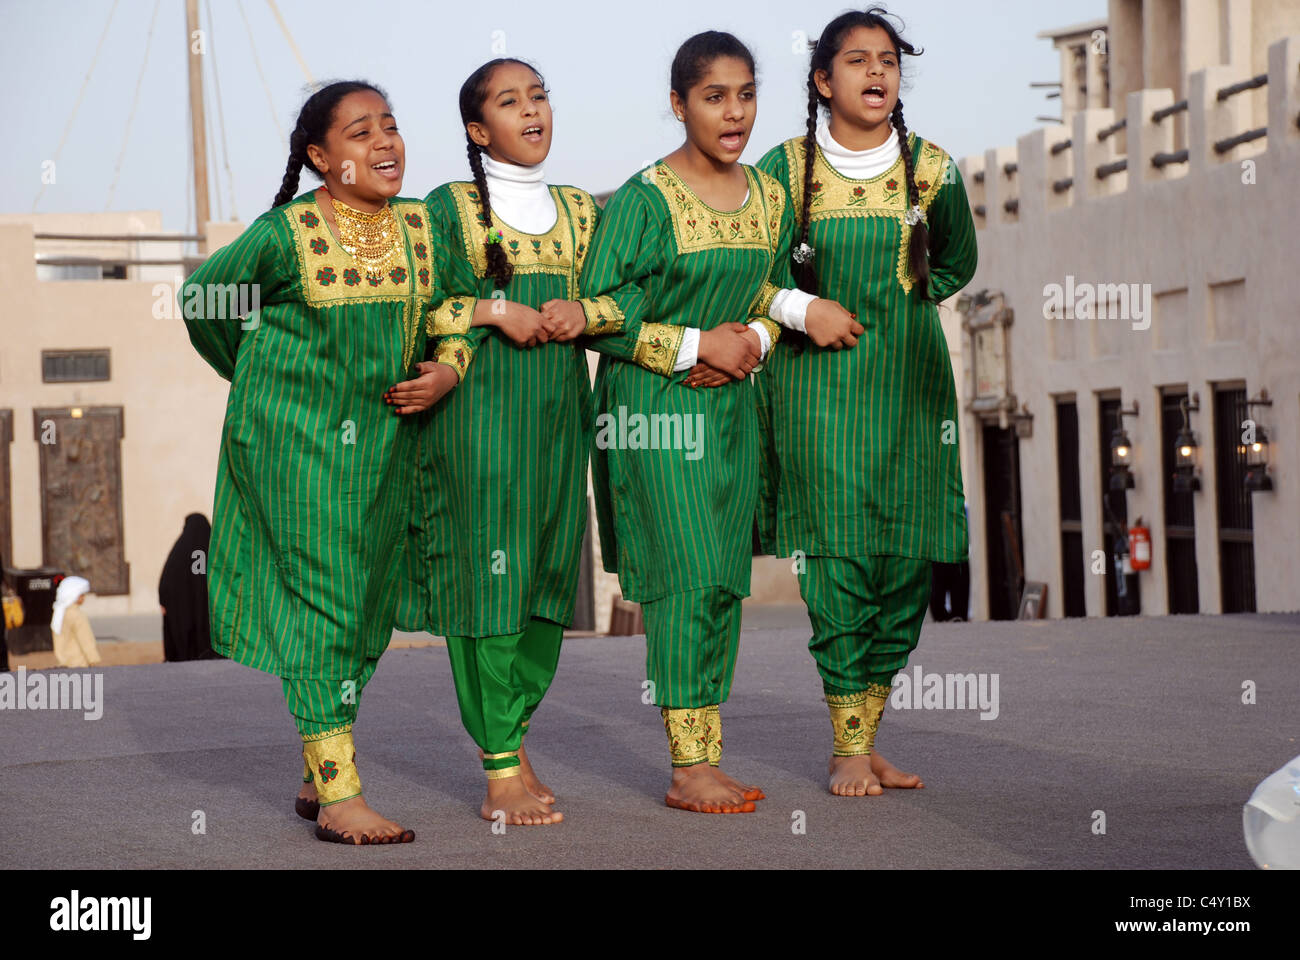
(790,307)
(518,195)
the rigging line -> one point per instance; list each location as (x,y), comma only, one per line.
(135,102)
(284,28)
(84,84)
(265,86)
(216,83)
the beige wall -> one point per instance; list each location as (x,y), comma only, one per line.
(173,402)
(1219,255)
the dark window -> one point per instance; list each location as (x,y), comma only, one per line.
(1180,514)
(1067,472)
(1236,519)
(1123,596)
(72,366)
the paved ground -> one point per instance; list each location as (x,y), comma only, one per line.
(1141,719)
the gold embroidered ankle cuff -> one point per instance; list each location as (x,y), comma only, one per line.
(331,757)
(854,721)
(687,741)
(713,733)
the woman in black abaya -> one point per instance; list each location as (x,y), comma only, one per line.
(183,594)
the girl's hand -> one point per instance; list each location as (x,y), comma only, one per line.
(523,325)
(703,375)
(727,348)
(564,319)
(830,325)
(435,381)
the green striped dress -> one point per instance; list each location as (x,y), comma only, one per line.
(675,468)
(314,473)
(863,457)
(500,505)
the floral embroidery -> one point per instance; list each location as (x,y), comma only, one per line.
(554,252)
(421,251)
(397,275)
(319,246)
(424,276)
(310,219)
(351,276)
(325,276)
(328,771)
(698,227)
(374,281)
(834,195)
(414,220)
(603,315)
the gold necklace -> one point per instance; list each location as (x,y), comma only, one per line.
(373,239)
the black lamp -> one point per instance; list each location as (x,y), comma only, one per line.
(1256,450)
(1121,452)
(1187,450)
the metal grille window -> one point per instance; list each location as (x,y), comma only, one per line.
(74,366)
(1067,471)
(1180,514)
(1236,518)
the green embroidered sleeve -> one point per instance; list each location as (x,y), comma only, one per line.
(250,270)
(624,253)
(452,339)
(953,251)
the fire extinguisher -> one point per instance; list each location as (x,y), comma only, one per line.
(1139,540)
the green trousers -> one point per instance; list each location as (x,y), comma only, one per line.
(500,681)
(322,705)
(866,615)
(692,640)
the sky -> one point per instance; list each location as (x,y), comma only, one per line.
(606,64)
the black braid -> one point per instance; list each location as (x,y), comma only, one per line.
(806,272)
(473,94)
(314,121)
(499,267)
(918,244)
(297,159)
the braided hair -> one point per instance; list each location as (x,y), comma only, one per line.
(473,94)
(824,52)
(314,121)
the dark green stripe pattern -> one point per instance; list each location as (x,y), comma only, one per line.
(863,456)
(314,474)
(500,503)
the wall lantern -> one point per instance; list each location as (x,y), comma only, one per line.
(1121,452)
(1255,448)
(1187,450)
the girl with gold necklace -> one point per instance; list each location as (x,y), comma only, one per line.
(314,473)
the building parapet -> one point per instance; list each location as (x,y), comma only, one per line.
(1100,154)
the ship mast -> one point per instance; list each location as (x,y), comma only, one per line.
(196,44)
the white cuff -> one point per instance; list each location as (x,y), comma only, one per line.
(790,308)
(688,354)
(765,342)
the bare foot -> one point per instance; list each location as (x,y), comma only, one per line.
(354,820)
(891,776)
(867,776)
(538,789)
(305,804)
(747,790)
(534,786)
(520,807)
(698,789)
